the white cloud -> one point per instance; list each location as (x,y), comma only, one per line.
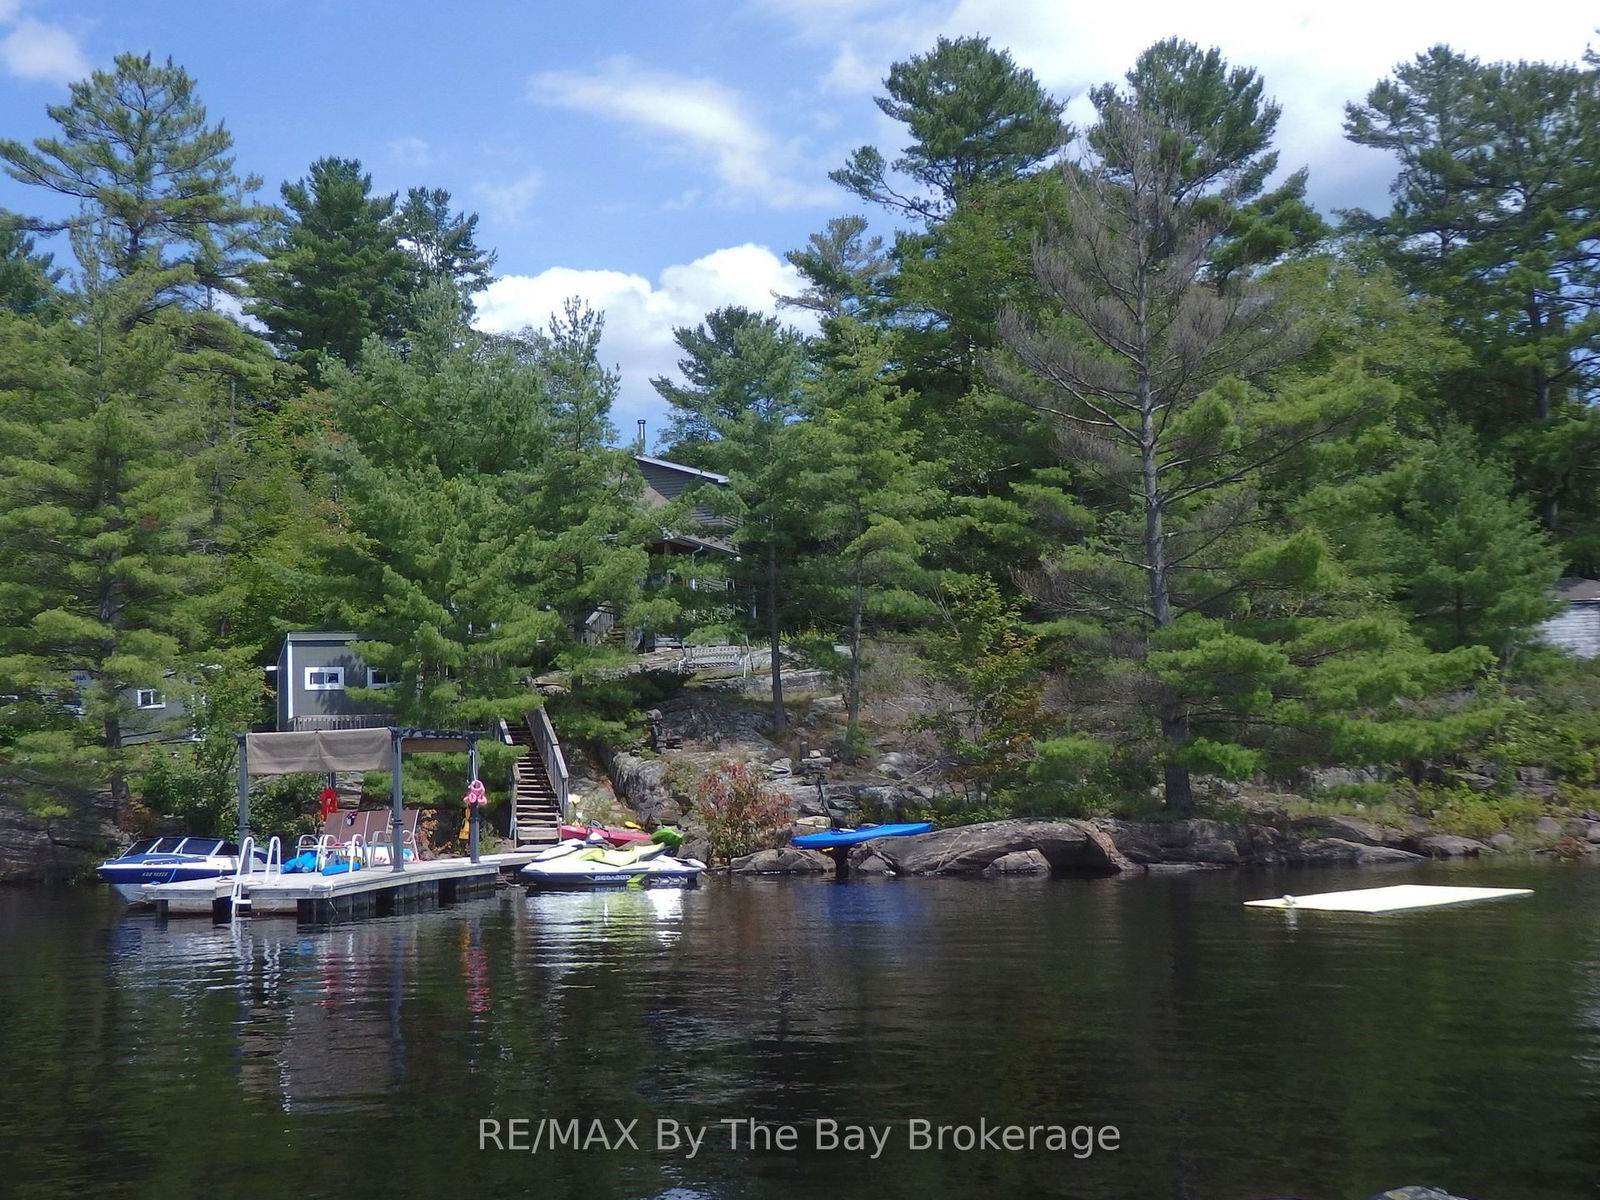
(412,151)
(700,116)
(640,315)
(35,51)
(509,202)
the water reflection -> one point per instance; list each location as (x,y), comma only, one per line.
(1239,1054)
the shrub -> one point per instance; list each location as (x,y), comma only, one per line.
(740,816)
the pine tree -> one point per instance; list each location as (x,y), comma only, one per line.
(868,495)
(154,180)
(99,505)
(737,415)
(974,117)
(337,274)
(1494,215)
(442,246)
(1469,559)
(28,279)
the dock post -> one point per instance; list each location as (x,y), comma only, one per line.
(397,816)
(472,815)
(244,788)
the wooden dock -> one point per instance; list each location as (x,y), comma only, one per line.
(374,892)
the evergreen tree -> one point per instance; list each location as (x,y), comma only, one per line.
(591,558)
(1494,215)
(868,493)
(99,504)
(1218,120)
(1202,591)
(974,117)
(442,245)
(485,517)
(1468,558)
(337,274)
(153,179)
(737,415)
(28,279)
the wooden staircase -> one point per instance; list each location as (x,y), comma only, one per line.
(535,802)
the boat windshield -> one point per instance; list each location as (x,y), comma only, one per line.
(182,845)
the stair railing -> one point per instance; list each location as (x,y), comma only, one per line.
(555,763)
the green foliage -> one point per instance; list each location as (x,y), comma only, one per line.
(336,274)
(739,815)
(973,116)
(154,181)
(1466,555)
(1472,814)
(993,668)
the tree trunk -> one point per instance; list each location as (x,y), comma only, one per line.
(1174,715)
(852,695)
(780,718)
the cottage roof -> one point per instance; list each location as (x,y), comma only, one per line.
(682,468)
(1578,591)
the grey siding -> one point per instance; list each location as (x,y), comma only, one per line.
(300,706)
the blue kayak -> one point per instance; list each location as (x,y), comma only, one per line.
(854,837)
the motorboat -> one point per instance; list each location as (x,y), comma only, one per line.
(169,860)
(582,864)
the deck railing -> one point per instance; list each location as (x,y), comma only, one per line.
(555,763)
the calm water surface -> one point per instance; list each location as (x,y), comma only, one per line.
(1238,1053)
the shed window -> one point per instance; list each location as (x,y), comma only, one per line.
(378,679)
(149,698)
(324,679)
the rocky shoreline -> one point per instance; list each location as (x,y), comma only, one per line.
(1103,846)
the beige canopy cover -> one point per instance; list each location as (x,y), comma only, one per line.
(321,751)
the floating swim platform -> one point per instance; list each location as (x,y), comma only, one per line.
(854,837)
(1398,898)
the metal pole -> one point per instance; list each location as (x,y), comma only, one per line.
(244,789)
(397,817)
(472,816)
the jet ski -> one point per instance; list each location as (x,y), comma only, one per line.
(581,864)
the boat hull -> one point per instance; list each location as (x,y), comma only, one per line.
(128,880)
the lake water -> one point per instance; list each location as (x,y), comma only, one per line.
(1236,1052)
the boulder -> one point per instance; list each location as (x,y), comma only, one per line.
(641,784)
(1349,829)
(1019,862)
(1132,838)
(1578,827)
(1415,1192)
(894,766)
(1503,842)
(785,860)
(1210,850)
(865,861)
(1547,829)
(56,849)
(1337,851)
(968,849)
(1445,845)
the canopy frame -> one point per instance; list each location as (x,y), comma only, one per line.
(329,750)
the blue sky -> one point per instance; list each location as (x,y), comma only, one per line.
(659,158)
